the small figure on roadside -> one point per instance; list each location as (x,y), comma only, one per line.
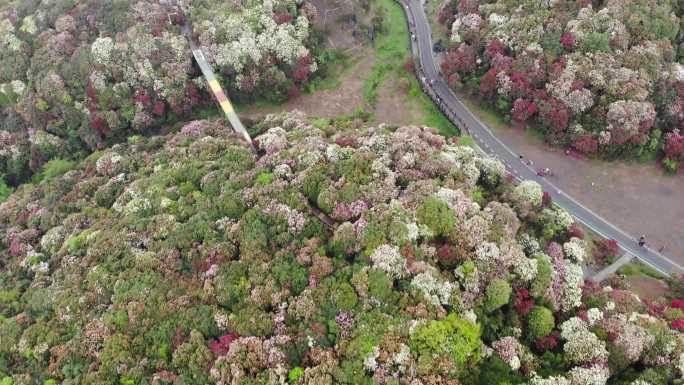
(661,249)
(642,241)
(529,162)
(567,151)
(521,157)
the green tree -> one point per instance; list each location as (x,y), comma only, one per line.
(192,359)
(457,338)
(5,190)
(436,215)
(540,322)
(497,294)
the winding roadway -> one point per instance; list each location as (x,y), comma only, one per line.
(437,88)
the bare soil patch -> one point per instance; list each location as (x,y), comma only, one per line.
(647,287)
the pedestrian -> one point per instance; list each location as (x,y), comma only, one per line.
(521,157)
(642,241)
(661,249)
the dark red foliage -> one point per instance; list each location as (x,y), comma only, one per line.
(462,60)
(568,40)
(674,145)
(555,114)
(222,345)
(522,303)
(494,47)
(100,125)
(408,65)
(678,324)
(582,314)
(604,249)
(522,110)
(447,256)
(159,108)
(143,98)
(303,70)
(677,303)
(586,144)
(655,309)
(488,82)
(282,18)
(546,343)
(546,198)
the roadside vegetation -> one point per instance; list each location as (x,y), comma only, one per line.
(600,81)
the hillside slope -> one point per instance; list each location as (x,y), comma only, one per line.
(186,259)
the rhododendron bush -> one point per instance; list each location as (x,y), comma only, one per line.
(78,77)
(186,258)
(598,77)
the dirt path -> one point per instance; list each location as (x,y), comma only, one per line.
(638,198)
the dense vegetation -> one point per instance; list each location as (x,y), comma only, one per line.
(186,259)
(603,78)
(76,76)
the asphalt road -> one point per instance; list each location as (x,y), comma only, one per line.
(442,94)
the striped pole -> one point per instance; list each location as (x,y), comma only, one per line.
(220,96)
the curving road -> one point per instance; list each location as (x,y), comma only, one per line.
(437,88)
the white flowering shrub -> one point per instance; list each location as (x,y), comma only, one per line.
(528,194)
(575,249)
(388,259)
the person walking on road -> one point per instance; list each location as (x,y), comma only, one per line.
(642,241)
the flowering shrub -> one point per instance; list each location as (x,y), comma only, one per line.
(76,79)
(596,77)
(187,258)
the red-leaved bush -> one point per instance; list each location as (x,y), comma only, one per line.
(523,304)
(546,343)
(222,345)
(678,324)
(605,249)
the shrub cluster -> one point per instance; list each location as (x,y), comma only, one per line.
(80,76)
(188,259)
(602,78)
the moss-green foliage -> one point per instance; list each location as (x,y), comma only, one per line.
(295,374)
(452,336)
(5,190)
(497,294)
(54,168)
(540,322)
(192,358)
(492,371)
(541,282)
(436,215)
